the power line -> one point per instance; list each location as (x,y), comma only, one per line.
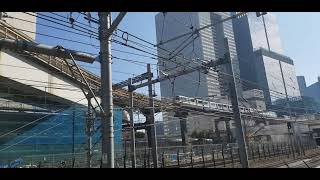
(75,20)
(126,52)
(115,71)
(60,20)
(136,48)
(51,36)
(53,27)
(132,61)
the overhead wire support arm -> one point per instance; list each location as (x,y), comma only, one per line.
(205,67)
(116,22)
(135,79)
(113,26)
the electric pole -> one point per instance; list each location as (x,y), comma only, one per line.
(240,136)
(264,25)
(106,90)
(89,124)
(265,30)
(105,31)
(133,138)
(151,121)
(73,131)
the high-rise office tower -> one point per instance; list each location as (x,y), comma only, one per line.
(193,50)
(302,84)
(261,60)
(250,35)
(204,46)
(312,91)
(276,76)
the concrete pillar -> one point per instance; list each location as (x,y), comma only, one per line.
(228,131)
(217,132)
(183,126)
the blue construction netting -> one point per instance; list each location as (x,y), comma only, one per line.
(56,134)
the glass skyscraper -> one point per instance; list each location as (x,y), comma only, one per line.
(207,45)
(261,67)
(269,76)
(193,50)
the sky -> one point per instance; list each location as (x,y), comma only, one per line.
(300,39)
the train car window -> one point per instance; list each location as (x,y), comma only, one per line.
(213,105)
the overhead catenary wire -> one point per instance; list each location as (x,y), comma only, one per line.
(135,36)
(60,21)
(65,17)
(86,66)
(51,36)
(52,27)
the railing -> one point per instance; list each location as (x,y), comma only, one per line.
(214,155)
(195,156)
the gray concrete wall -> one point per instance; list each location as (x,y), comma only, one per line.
(25,71)
(21,24)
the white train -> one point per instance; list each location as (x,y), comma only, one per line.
(213,105)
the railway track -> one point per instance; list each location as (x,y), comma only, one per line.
(286,162)
(313,162)
(273,161)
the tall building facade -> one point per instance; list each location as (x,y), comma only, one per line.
(312,91)
(250,35)
(302,84)
(206,45)
(261,60)
(271,67)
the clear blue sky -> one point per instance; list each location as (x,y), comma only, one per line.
(299,34)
